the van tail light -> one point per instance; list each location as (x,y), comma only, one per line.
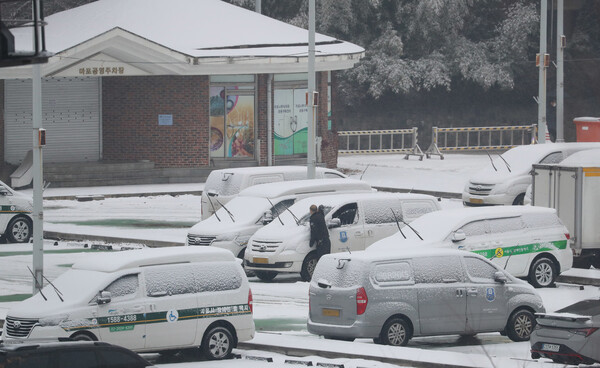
(568,236)
(584,331)
(250,300)
(361,301)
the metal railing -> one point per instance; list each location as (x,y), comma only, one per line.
(380,141)
(480,138)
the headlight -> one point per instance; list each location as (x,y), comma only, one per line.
(241,240)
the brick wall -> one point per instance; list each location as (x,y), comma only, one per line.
(262,126)
(329,143)
(130,130)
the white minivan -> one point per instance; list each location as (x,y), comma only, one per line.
(15,215)
(355,222)
(224,184)
(232,226)
(144,300)
(528,242)
(505,180)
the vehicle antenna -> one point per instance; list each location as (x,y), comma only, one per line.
(364,171)
(276,212)
(37,284)
(397,223)
(492,161)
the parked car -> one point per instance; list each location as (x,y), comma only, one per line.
(528,242)
(16,223)
(257,206)
(78,354)
(570,335)
(144,300)
(394,296)
(505,180)
(223,185)
(355,222)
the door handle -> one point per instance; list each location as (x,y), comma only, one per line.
(152,307)
(359,233)
(370,232)
(459,293)
(472,292)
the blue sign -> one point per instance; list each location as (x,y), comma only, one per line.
(165,119)
(343,236)
(490,294)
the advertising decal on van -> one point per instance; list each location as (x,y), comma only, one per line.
(128,321)
(12,209)
(522,249)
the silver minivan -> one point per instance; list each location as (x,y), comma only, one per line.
(392,297)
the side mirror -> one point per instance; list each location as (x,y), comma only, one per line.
(3,191)
(458,236)
(212,193)
(334,222)
(267,217)
(500,277)
(104,297)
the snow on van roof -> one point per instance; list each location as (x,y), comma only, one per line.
(115,261)
(268,169)
(583,159)
(336,199)
(391,254)
(278,189)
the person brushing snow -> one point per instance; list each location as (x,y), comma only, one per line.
(319,235)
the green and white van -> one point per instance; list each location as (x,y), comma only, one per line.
(528,242)
(15,215)
(144,300)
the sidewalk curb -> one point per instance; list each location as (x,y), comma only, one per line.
(434,193)
(578,280)
(123,195)
(55,235)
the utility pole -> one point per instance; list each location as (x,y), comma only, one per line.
(310,141)
(38,176)
(541,100)
(561,43)
(257,6)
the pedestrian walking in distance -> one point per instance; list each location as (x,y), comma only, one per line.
(319,234)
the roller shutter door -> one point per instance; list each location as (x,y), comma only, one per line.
(71,117)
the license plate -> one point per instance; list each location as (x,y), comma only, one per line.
(331,312)
(551,347)
(261,260)
(476,200)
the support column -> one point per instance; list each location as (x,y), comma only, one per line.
(542,73)
(310,143)
(560,78)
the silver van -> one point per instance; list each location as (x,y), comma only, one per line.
(392,297)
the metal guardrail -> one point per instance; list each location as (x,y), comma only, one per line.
(381,141)
(480,138)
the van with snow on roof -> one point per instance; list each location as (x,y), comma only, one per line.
(144,300)
(528,242)
(355,221)
(232,225)
(505,180)
(223,185)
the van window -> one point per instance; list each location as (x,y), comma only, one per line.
(347,214)
(553,158)
(541,220)
(332,175)
(280,207)
(393,274)
(475,228)
(266,179)
(216,276)
(438,269)
(503,225)
(169,280)
(479,270)
(415,209)
(124,287)
(306,218)
(379,211)
(224,183)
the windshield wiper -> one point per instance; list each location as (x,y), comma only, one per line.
(397,223)
(276,212)
(506,163)
(37,284)
(412,228)
(58,293)
(225,208)
(491,160)
(208,195)
(294,216)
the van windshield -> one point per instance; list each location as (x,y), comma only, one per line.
(306,217)
(244,209)
(223,183)
(74,284)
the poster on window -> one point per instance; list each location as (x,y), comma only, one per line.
(217,121)
(240,126)
(290,121)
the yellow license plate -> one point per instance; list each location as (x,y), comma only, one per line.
(476,200)
(261,260)
(331,312)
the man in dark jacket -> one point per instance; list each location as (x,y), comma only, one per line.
(319,234)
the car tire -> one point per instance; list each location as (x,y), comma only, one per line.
(82,336)
(520,325)
(308,266)
(265,275)
(217,343)
(339,338)
(519,200)
(542,273)
(19,230)
(395,332)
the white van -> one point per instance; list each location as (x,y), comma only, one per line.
(504,181)
(144,300)
(224,184)
(15,215)
(528,242)
(257,206)
(355,221)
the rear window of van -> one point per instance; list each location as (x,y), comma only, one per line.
(541,220)
(350,275)
(223,183)
(393,273)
